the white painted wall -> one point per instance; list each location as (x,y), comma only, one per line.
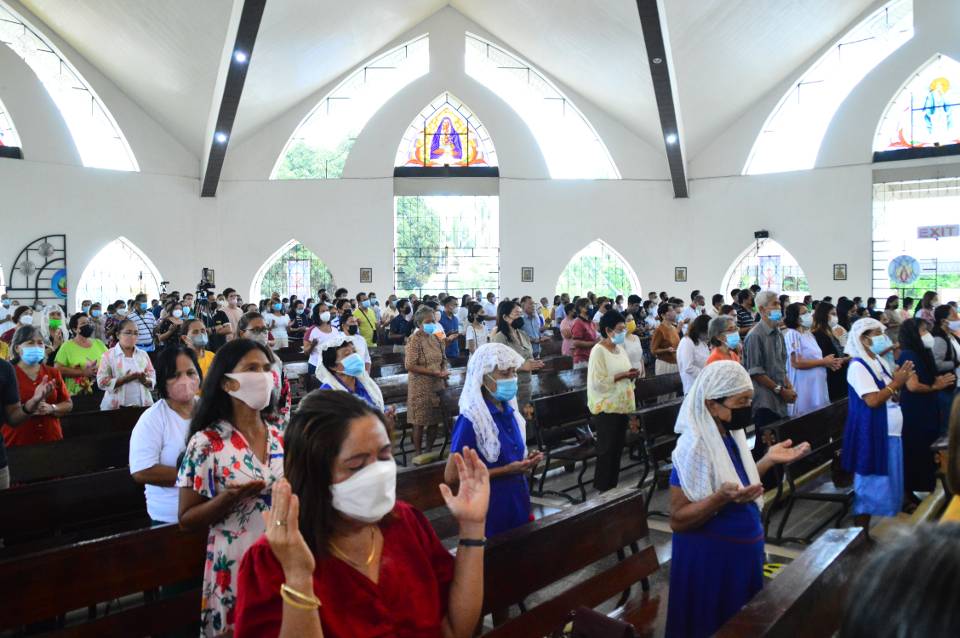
(822,216)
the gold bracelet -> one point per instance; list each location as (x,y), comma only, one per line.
(298,599)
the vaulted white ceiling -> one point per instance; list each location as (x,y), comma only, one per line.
(727,54)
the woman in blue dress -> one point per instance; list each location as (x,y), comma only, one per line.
(716,565)
(921,409)
(490,423)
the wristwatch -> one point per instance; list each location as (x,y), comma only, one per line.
(778,389)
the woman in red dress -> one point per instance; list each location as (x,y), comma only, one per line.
(43,426)
(341,557)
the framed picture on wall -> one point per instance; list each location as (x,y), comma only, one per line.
(680,274)
(366,275)
(839,272)
(526,274)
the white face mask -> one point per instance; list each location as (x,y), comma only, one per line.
(255,389)
(954,325)
(806,320)
(177,313)
(833,321)
(325,316)
(26,320)
(927,341)
(368,495)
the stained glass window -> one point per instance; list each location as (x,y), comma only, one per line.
(446,133)
(600,269)
(99,140)
(570,146)
(119,271)
(319,146)
(8,133)
(916,238)
(926,112)
(446,244)
(292,270)
(770,266)
(791,136)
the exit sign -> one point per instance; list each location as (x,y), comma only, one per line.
(937,232)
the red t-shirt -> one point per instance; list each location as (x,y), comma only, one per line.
(409,601)
(583,331)
(37,429)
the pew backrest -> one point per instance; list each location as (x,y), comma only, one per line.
(649,388)
(559,417)
(69,457)
(78,424)
(420,486)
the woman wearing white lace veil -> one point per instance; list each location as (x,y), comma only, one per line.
(715,502)
(491,424)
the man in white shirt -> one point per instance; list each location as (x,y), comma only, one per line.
(692,311)
(490,310)
(716,302)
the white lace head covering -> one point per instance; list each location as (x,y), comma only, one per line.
(45,323)
(701,458)
(472,404)
(855,347)
(325,376)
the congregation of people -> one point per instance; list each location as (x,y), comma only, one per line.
(305,534)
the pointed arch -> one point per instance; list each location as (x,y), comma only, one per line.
(320,144)
(598,268)
(925,111)
(119,271)
(293,269)
(570,145)
(8,132)
(791,136)
(771,266)
(468,142)
(95,132)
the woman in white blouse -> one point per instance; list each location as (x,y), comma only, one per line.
(693,351)
(277,322)
(633,345)
(160,436)
(126,373)
(477,331)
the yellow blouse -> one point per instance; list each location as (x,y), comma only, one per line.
(603,393)
(952,515)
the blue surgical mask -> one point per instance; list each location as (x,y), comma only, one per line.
(366,303)
(880,343)
(6,303)
(85,309)
(353,365)
(733,339)
(144,305)
(32,355)
(619,337)
(200,341)
(806,320)
(506,389)
(775,315)
(429,328)
(95,313)
(278,306)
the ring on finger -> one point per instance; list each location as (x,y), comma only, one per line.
(280,523)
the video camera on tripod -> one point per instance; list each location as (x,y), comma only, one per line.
(207,283)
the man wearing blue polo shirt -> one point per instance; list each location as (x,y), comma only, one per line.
(451,326)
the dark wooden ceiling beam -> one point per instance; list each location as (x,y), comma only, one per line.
(659,63)
(247,30)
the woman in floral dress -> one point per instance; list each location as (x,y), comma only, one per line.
(232,460)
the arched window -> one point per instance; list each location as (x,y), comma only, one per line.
(293,270)
(320,144)
(99,140)
(600,269)
(446,133)
(926,110)
(446,244)
(770,266)
(119,271)
(8,132)
(791,136)
(570,145)
(916,241)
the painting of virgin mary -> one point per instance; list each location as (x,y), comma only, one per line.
(446,141)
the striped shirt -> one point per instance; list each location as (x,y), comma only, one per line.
(146,323)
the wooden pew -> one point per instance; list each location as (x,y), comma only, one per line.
(69,457)
(658,439)
(806,599)
(77,424)
(562,434)
(64,511)
(527,559)
(809,478)
(291,354)
(48,584)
